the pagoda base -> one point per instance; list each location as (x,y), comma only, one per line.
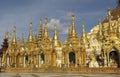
(81,70)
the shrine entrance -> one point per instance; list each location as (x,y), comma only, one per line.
(72,58)
(41,58)
(114,58)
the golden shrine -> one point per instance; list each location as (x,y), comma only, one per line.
(96,52)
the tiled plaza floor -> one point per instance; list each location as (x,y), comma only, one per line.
(55,75)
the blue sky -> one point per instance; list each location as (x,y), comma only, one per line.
(21,12)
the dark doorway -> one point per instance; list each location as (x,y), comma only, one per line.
(114,57)
(26,57)
(42,56)
(72,57)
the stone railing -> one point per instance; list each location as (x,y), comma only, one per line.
(66,70)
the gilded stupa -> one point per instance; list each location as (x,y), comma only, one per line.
(92,53)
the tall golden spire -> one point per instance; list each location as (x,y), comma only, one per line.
(55,37)
(84,39)
(56,41)
(30,37)
(83,31)
(46,28)
(40,33)
(73,31)
(14,40)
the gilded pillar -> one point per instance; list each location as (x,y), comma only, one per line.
(76,58)
(84,59)
(21,60)
(66,58)
(45,61)
(53,59)
(37,60)
(108,59)
(15,61)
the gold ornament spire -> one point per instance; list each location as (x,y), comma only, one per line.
(84,39)
(46,27)
(40,33)
(73,31)
(56,41)
(30,37)
(55,37)
(14,40)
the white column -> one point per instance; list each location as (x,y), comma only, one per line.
(8,61)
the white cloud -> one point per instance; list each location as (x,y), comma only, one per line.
(62,28)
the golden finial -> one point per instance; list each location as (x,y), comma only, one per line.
(40,22)
(109,10)
(31,26)
(46,27)
(84,38)
(55,26)
(6,35)
(30,38)
(83,29)
(55,32)
(73,31)
(46,19)
(73,16)
(22,37)
(14,36)
(73,19)
(82,25)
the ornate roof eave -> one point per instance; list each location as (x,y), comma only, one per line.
(109,48)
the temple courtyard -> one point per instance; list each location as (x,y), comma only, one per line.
(55,75)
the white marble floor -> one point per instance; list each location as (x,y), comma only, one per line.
(55,75)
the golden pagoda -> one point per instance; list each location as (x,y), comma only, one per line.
(91,53)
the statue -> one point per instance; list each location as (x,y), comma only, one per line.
(93,63)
